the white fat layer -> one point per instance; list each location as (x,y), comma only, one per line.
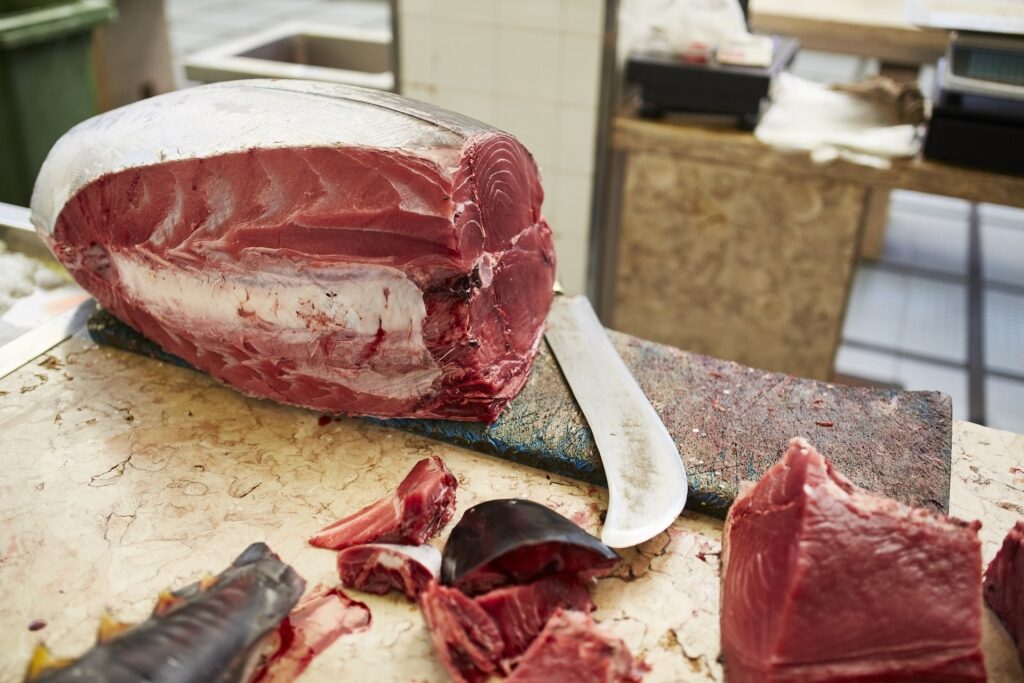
(236,116)
(485,267)
(426,555)
(165,228)
(304,307)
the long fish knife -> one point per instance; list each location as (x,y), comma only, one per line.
(17,230)
(646,479)
(36,342)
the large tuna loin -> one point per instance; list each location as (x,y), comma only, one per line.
(1004,585)
(319,245)
(825,582)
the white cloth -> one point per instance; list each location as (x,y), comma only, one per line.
(805,115)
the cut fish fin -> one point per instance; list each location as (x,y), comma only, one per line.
(110,628)
(42,662)
(166,602)
(207,582)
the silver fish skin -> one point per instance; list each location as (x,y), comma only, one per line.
(235,116)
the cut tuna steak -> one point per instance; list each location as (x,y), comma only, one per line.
(825,582)
(467,640)
(382,567)
(316,244)
(419,507)
(572,648)
(520,612)
(514,540)
(1004,585)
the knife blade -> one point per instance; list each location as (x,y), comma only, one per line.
(646,479)
(19,234)
(38,341)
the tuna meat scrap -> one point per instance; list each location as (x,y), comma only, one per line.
(384,567)
(1004,585)
(573,649)
(509,594)
(419,507)
(316,244)
(825,582)
(513,599)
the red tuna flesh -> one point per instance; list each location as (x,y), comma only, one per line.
(381,568)
(572,648)
(532,562)
(419,507)
(1004,585)
(322,617)
(520,612)
(466,639)
(825,582)
(315,244)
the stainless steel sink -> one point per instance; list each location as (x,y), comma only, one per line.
(356,56)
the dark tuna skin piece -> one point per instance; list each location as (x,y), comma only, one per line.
(517,541)
(1004,585)
(209,637)
(822,581)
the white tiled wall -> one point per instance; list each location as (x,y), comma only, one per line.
(531,67)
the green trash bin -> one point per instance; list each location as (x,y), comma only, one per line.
(47,85)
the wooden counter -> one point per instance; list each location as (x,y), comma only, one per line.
(123,476)
(725,246)
(735,148)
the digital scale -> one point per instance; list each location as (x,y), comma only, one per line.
(978,106)
(984,64)
(669,83)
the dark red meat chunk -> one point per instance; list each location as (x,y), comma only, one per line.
(530,562)
(1004,585)
(381,568)
(572,648)
(467,640)
(422,504)
(825,582)
(520,612)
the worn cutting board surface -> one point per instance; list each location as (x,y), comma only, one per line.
(730,423)
(123,477)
